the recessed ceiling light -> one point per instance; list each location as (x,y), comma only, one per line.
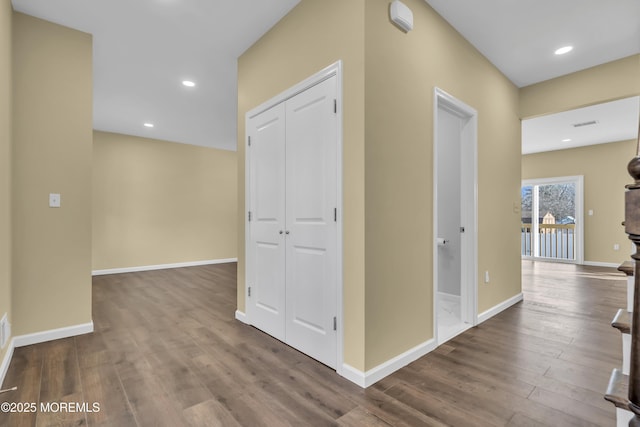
(563,50)
(188,83)
(566,140)
(148,125)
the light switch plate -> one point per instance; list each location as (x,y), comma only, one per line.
(54,200)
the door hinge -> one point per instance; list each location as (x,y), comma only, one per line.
(335,323)
(335,106)
(249,291)
(249,215)
(249,141)
(335,214)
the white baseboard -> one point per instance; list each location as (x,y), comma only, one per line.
(601,264)
(241,316)
(52,334)
(4,367)
(161,266)
(500,307)
(444,296)
(365,379)
(354,375)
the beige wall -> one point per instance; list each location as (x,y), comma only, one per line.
(607,82)
(158,202)
(312,36)
(604,167)
(388,95)
(5,161)
(52,132)
(401,71)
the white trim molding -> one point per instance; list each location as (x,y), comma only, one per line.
(242,316)
(444,296)
(601,264)
(4,367)
(52,334)
(485,315)
(161,266)
(373,375)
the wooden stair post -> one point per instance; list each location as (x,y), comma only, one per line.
(632,228)
(627,268)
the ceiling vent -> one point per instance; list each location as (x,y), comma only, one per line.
(589,123)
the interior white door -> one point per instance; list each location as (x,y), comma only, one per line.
(311,222)
(266,252)
(455,216)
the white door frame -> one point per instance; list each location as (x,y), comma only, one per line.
(578,180)
(469,217)
(334,69)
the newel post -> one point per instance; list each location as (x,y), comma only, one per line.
(632,228)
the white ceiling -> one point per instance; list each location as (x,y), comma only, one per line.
(614,121)
(520,37)
(143,49)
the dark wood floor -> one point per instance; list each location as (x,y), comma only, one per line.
(167,351)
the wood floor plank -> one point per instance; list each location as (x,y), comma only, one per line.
(209,413)
(520,420)
(572,407)
(358,417)
(101,385)
(25,372)
(443,406)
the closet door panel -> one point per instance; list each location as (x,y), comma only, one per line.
(266,252)
(311,199)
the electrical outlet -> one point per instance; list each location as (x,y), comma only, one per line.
(486,276)
(616,247)
(54,200)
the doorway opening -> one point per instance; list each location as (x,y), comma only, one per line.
(455,216)
(552,226)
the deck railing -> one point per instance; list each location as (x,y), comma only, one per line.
(553,241)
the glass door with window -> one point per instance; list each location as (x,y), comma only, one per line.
(551,209)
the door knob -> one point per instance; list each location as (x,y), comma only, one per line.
(287,232)
(280,232)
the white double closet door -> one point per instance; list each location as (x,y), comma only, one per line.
(292,232)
